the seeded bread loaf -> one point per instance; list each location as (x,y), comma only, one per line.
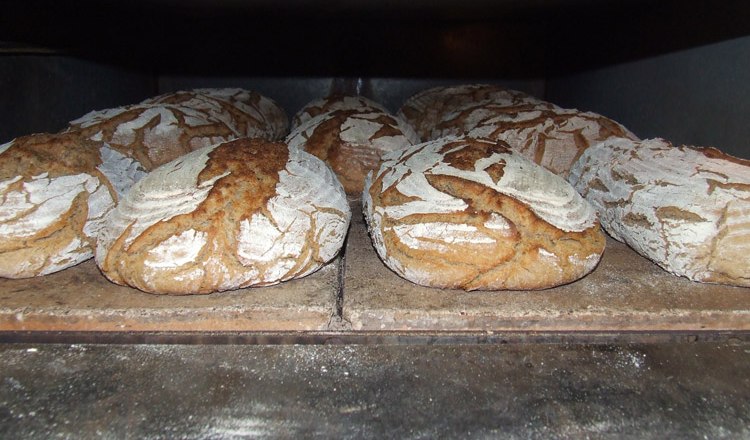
(685,208)
(54,193)
(249,113)
(472,214)
(352,141)
(242,213)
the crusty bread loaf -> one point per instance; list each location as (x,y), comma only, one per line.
(54,193)
(426,109)
(685,208)
(473,214)
(543,132)
(153,134)
(333,103)
(553,138)
(352,141)
(243,213)
(249,113)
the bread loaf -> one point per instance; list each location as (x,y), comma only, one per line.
(554,139)
(351,141)
(249,113)
(55,191)
(426,109)
(153,134)
(242,213)
(543,132)
(685,208)
(472,214)
(333,103)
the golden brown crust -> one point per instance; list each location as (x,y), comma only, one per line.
(248,212)
(333,137)
(333,103)
(247,112)
(253,167)
(513,261)
(425,110)
(43,234)
(153,134)
(55,154)
(495,242)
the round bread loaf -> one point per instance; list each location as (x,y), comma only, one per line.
(243,213)
(54,193)
(153,134)
(249,113)
(554,139)
(426,109)
(685,208)
(333,103)
(351,141)
(472,214)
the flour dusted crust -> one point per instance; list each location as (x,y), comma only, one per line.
(333,103)
(249,113)
(153,134)
(685,208)
(243,213)
(352,141)
(54,193)
(472,214)
(553,138)
(426,109)
(543,132)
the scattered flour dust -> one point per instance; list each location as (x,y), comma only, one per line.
(231,427)
(630,359)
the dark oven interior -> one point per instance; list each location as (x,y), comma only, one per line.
(354,351)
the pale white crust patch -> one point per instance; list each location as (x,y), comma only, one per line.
(685,208)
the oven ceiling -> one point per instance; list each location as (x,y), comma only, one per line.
(420,38)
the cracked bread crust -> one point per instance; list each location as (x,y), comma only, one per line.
(551,137)
(352,141)
(426,109)
(334,103)
(249,113)
(243,213)
(153,134)
(472,214)
(54,194)
(543,132)
(685,208)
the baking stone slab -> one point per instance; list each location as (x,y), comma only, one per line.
(82,299)
(625,292)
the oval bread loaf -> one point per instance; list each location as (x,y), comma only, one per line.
(54,193)
(249,113)
(352,141)
(685,208)
(554,139)
(243,213)
(153,134)
(333,103)
(543,132)
(472,214)
(426,109)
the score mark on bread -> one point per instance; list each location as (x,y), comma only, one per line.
(243,213)
(472,214)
